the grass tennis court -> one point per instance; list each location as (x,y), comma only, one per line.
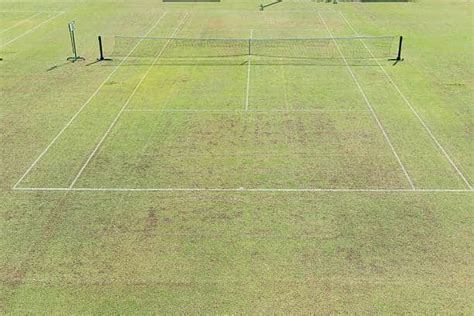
(232,160)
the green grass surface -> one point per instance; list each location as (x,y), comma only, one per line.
(289,180)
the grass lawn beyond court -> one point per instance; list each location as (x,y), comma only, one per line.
(226,159)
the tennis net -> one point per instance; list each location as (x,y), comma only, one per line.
(304,48)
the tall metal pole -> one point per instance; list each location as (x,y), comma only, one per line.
(74,50)
(75,57)
(101,49)
(400,46)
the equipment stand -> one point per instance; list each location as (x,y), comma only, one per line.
(72,29)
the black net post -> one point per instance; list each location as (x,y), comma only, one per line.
(400,46)
(101,50)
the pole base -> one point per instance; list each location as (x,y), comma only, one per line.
(396,60)
(74,59)
(104,59)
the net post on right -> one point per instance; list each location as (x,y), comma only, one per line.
(399,57)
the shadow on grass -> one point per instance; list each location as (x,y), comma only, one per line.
(58,66)
(255,61)
(263,6)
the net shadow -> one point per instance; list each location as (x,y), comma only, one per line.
(243,61)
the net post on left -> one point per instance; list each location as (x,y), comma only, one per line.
(101,50)
(400,47)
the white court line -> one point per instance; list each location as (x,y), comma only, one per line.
(248,75)
(82,107)
(130,97)
(20,23)
(263,190)
(422,122)
(245,111)
(366,99)
(30,30)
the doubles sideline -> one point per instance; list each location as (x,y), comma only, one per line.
(55,139)
(415,113)
(30,30)
(369,105)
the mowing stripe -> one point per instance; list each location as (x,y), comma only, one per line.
(30,11)
(130,97)
(82,107)
(422,122)
(20,22)
(30,30)
(387,139)
(248,77)
(79,281)
(258,13)
(268,190)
